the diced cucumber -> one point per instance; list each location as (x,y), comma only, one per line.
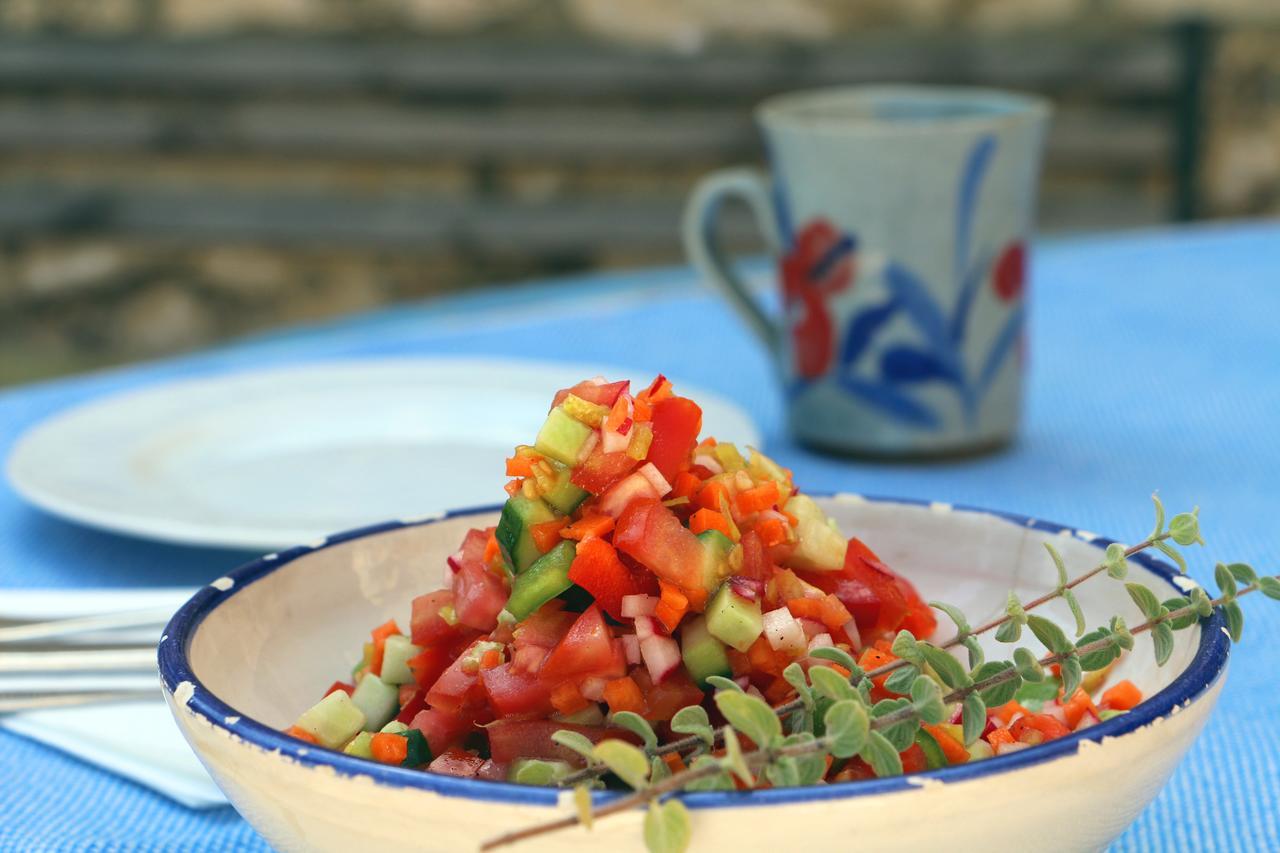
(734,620)
(564,496)
(715,557)
(419,751)
(536,771)
(980,749)
(761,467)
(542,581)
(588,716)
(934,757)
(396,654)
(360,745)
(819,546)
(334,720)
(395,727)
(703,654)
(377,700)
(515,540)
(562,436)
(729,458)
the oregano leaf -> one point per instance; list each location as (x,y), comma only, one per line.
(1162,638)
(1098,658)
(902,733)
(637,725)
(582,802)
(955,614)
(1234,618)
(1119,630)
(1186,620)
(577,742)
(926,698)
(1243,572)
(658,769)
(1159,528)
(535,771)
(1072,674)
(1117,563)
(881,755)
(1269,586)
(1048,633)
(973,718)
(837,655)
(1058,564)
(976,655)
(693,720)
(900,680)
(794,674)
(1002,692)
(1172,553)
(1009,632)
(1076,610)
(830,683)
(1145,599)
(907,647)
(719,781)
(719,682)
(1028,665)
(625,761)
(1225,580)
(810,766)
(667,827)
(847,725)
(1184,528)
(752,716)
(782,772)
(734,761)
(948,668)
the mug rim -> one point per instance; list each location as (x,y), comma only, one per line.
(786,111)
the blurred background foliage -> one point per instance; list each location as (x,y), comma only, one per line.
(175,172)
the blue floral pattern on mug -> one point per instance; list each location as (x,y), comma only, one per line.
(819,262)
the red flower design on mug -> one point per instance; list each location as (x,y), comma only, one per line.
(1010,272)
(820,264)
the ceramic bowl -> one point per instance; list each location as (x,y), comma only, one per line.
(253,649)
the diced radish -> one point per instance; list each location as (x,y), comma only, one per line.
(748,588)
(616,440)
(742,681)
(646,627)
(661,656)
(751,690)
(632,487)
(784,632)
(592,688)
(638,605)
(651,473)
(820,641)
(709,462)
(855,637)
(631,643)
(612,441)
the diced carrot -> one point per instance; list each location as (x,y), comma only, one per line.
(778,691)
(672,605)
(301,734)
(389,748)
(513,487)
(708,519)
(1074,709)
(674,762)
(588,526)
(1006,712)
(710,495)
(806,608)
(759,498)
(491,548)
(833,612)
(791,519)
(641,411)
(874,658)
(999,737)
(1122,696)
(380,634)
(953,749)
(519,466)
(567,699)
(772,531)
(764,659)
(490,659)
(546,534)
(623,694)
(685,485)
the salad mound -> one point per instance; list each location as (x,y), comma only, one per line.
(633,565)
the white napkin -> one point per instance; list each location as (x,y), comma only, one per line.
(138,740)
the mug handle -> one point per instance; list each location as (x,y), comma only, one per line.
(698,229)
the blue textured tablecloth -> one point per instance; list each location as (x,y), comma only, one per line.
(1155,365)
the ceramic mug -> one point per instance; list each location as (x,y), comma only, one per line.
(900,218)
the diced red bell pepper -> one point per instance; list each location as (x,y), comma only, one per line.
(586,650)
(512,692)
(512,739)
(654,537)
(416,704)
(456,762)
(340,685)
(441,729)
(478,596)
(601,470)
(601,395)
(676,424)
(426,625)
(597,569)
(428,664)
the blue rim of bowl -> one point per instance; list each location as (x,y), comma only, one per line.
(1203,671)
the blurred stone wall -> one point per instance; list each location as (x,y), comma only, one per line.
(71,300)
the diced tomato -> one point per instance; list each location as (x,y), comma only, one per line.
(456,762)
(428,664)
(340,685)
(855,771)
(511,692)
(676,424)
(456,689)
(441,728)
(1037,728)
(494,771)
(545,627)
(652,534)
(413,705)
(597,569)
(426,625)
(676,691)
(478,595)
(880,601)
(601,395)
(601,470)
(512,739)
(755,562)
(587,649)
(913,760)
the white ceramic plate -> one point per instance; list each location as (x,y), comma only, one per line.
(271,458)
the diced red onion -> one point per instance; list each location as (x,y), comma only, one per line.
(784,632)
(820,641)
(624,428)
(855,637)
(592,688)
(748,588)
(588,446)
(709,462)
(812,628)
(651,473)
(631,644)
(661,656)
(646,627)
(612,441)
(455,562)
(638,605)
(626,490)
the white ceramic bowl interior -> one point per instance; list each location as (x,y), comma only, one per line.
(254,649)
